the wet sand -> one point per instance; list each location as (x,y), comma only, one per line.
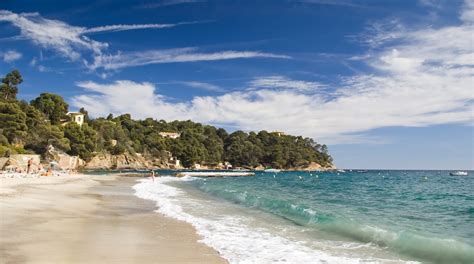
(91,220)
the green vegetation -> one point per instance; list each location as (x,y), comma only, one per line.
(52,106)
(31,127)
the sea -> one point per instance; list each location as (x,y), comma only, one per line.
(374,216)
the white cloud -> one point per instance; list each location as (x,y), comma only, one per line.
(424,77)
(127,96)
(115,28)
(33,62)
(11,56)
(131,59)
(284,83)
(467,14)
(204,86)
(381,32)
(66,39)
(53,34)
(71,42)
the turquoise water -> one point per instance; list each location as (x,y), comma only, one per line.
(424,216)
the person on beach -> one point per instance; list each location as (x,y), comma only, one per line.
(48,173)
(153,175)
(30,162)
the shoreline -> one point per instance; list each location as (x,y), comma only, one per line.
(90,219)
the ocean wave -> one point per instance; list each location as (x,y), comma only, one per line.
(229,235)
(433,249)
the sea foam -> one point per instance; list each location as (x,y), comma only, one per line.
(229,235)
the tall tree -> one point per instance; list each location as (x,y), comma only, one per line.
(12,122)
(8,87)
(86,114)
(82,140)
(52,105)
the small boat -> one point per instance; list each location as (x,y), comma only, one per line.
(458,173)
(340,170)
(272,170)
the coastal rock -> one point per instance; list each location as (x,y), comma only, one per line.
(21,161)
(129,161)
(122,161)
(63,160)
(313,166)
(3,162)
(100,161)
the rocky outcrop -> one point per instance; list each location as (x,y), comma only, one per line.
(20,161)
(122,161)
(313,166)
(106,161)
(63,160)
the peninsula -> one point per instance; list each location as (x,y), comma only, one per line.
(74,140)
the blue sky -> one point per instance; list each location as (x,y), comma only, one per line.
(386,84)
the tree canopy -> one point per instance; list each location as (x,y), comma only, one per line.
(8,86)
(52,106)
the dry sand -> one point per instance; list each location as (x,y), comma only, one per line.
(90,219)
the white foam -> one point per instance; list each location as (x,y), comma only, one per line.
(229,235)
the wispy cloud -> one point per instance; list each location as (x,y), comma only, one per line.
(282,82)
(131,59)
(467,13)
(53,34)
(71,42)
(422,78)
(116,28)
(204,86)
(11,56)
(378,33)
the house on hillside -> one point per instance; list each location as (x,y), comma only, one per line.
(172,135)
(76,117)
(278,133)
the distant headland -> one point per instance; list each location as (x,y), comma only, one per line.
(73,140)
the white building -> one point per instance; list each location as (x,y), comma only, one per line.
(278,133)
(76,117)
(172,135)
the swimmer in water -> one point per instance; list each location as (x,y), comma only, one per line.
(153,175)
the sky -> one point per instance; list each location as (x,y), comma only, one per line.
(385,84)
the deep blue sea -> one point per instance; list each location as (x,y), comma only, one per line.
(326,217)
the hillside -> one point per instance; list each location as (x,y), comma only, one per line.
(32,127)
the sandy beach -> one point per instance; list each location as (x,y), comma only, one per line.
(90,219)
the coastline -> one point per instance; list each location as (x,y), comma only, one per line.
(90,219)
